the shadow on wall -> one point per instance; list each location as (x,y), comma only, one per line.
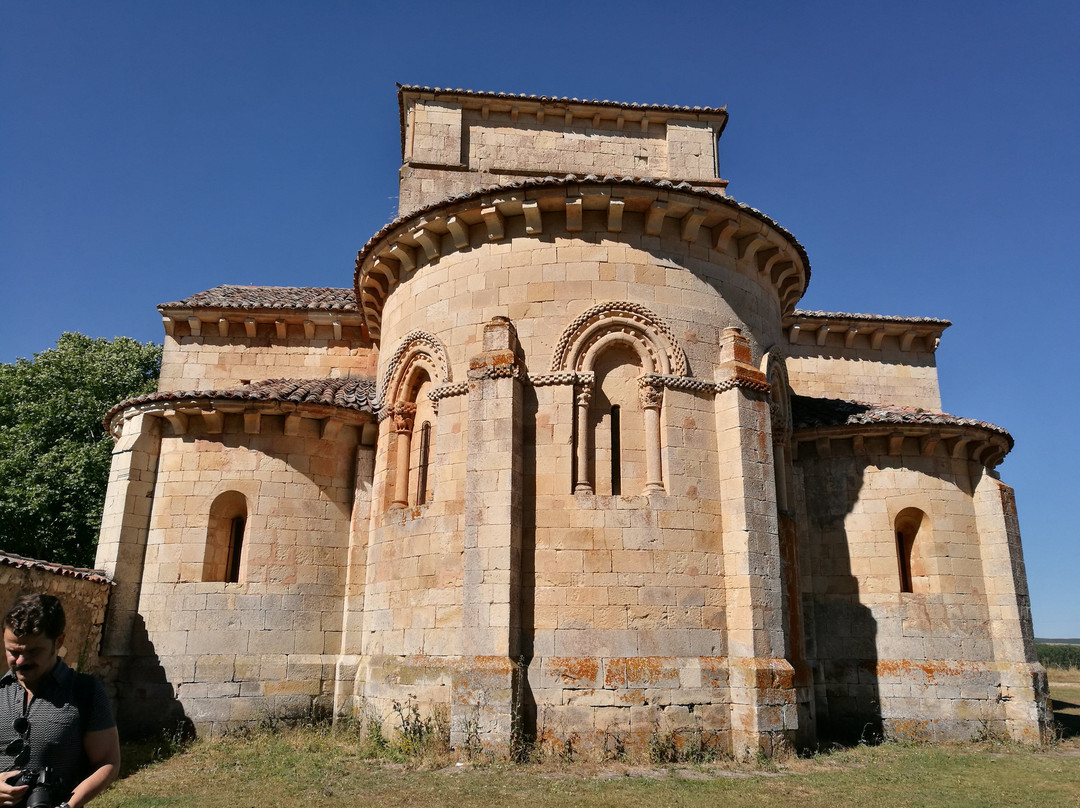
(525,698)
(841,632)
(146,704)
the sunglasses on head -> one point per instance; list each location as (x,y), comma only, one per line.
(20,747)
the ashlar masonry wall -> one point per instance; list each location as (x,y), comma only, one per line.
(916,664)
(267,643)
(599,615)
(297,349)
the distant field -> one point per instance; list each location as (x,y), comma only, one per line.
(1058,654)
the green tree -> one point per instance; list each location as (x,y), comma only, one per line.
(54,451)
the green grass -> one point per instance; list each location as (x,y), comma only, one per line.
(318,765)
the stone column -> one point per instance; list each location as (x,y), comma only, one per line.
(583,390)
(1024,696)
(486,688)
(651,393)
(125,524)
(403,415)
(763,699)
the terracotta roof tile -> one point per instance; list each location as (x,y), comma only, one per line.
(810,413)
(319,298)
(22,562)
(352,393)
(839,315)
(560,100)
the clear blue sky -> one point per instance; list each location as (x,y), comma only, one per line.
(925,153)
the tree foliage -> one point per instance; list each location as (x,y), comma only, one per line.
(54,452)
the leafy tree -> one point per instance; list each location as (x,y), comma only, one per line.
(54,452)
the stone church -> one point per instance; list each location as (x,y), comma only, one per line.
(565,462)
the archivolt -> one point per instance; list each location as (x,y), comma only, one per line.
(619,321)
(416,349)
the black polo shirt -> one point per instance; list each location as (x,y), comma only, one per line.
(56,727)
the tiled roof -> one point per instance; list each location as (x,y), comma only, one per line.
(839,315)
(589,179)
(21,562)
(810,413)
(559,100)
(352,393)
(319,298)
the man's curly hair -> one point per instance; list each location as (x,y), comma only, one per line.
(37,616)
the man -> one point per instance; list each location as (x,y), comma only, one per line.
(51,716)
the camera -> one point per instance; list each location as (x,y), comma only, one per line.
(42,785)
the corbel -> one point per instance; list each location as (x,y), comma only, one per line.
(195,326)
(281,328)
(691,224)
(213,421)
(822,334)
(331,428)
(249,327)
(654,218)
(309,329)
(495,221)
(252,422)
(459,231)
(292,424)
(723,234)
(404,255)
(534,223)
(615,214)
(223,327)
(574,209)
(431,242)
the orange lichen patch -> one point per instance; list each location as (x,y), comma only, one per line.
(910,729)
(573,670)
(924,669)
(714,672)
(640,672)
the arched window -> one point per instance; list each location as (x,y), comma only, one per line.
(619,353)
(414,448)
(911,527)
(225,538)
(617,424)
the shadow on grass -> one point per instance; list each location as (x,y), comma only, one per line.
(137,754)
(1068,723)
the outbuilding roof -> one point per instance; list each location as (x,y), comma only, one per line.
(809,413)
(22,562)
(355,393)
(318,298)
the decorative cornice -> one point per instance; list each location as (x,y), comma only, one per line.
(822,327)
(823,422)
(760,246)
(347,400)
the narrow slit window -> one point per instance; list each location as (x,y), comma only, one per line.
(904,546)
(236,547)
(425,458)
(616,453)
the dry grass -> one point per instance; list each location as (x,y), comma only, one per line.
(318,765)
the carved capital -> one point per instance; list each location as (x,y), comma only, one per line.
(651,393)
(403,415)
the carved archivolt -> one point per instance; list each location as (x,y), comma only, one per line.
(418,349)
(775,370)
(618,321)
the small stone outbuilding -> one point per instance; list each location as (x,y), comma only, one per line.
(565,460)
